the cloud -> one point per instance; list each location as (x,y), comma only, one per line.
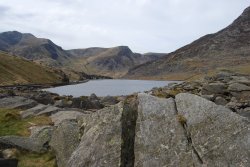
(143,25)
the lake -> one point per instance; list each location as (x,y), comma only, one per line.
(108,87)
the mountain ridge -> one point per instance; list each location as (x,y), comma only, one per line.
(111,62)
(224,49)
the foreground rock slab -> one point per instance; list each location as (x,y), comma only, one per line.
(219,136)
(64,141)
(101,139)
(160,139)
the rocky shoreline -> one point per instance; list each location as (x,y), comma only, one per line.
(198,123)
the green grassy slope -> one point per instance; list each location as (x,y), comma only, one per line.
(15,70)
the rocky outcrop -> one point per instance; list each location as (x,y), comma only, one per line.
(101,139)
(17,102)
(227,48)
(40,109)
(160,138)
(37,142)
(216,133)
(208,126)
(64,141)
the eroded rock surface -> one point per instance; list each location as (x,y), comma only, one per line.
(160,138)
(220,137)
(64,141)
(101,139)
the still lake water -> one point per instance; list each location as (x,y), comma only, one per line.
(108,87)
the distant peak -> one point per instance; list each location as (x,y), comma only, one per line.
(245,15)
(11,33)
(246,11)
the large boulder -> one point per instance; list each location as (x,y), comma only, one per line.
(101,139)
(218,136)
(160,139)
(17,102)
(64,141)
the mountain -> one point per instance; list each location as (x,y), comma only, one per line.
(114,62)
(226,49)
(111,62)
(28,46)
(16,70)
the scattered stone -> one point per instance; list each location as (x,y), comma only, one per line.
(214,88)
(220,101)
(43,98)
(10,153)
(237,87)
(208,97)
(245,112)
(109,100)
(93,97)
(63,103)
(33,111)
(49,110)
(17,102)
(60,116)
(37,142)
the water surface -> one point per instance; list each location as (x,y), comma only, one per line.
(108,87)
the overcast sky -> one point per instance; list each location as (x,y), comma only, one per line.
(143,25)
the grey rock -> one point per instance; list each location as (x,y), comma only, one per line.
(63,103)
(237,87)
(17,102)
(64,141)
(160,139)
(214,88)
(241,79)
(109,100)
(49,110)
(217,134)
(93,97)
(101,139)
(37,142)
(10,153)
(33,111)
(60,116)
(220,101)
(208,97)
(85,103)
(245,112)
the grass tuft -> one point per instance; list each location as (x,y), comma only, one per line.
(12,124)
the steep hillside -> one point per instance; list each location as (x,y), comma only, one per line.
(114,62)
(226,49)
(15,70)
(33,48)
(111,62)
